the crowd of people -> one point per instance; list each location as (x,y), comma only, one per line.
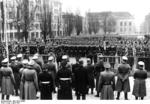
(24,77)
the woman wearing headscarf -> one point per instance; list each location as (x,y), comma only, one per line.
(8,81)
(139,88)
(30,82)
(107,83)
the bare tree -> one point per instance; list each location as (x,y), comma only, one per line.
(78,23)
(108,23)
(94,25)
(69,23)
(24,18)
(46,19)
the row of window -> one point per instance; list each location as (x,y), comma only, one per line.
(35,26)
(125,23)
(125,30)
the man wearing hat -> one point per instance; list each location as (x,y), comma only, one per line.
(19,61)
(36,59)
(15,67)
(81,81)
(45,83)
(36,66)
(139,88)
(123,83)
(52,70)
(30,82)
(99,67)
(107,83)
(8,80)
(65,60)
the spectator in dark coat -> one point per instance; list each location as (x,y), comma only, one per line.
(99,67)
(81,81)
(74,67)
(16,66)
(90,72)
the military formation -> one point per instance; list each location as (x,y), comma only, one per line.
(25,77)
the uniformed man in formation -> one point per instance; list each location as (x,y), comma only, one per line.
(64,79)
(140,75)
(46,83)
(106,83)
(8,81)
(52,70)
(123,83)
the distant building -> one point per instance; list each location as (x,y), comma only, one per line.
(145,27)
(111,22)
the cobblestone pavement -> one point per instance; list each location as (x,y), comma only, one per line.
(92,97)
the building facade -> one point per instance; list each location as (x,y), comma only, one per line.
(145,28)
(110,22)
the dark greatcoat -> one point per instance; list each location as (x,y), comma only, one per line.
(52,70)
(139,88)
(123,73)
(16,66)
(81,80)
(107,85)
(99,67)
(74,67)
(90,73)
(64,87)
(45,88)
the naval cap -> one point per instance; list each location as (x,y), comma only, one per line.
(13,58)
(124,58)
(5,60)
(50,58)
(19,55)
(25,61)
(64,57)
(141,63)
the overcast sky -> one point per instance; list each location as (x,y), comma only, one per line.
(138,8)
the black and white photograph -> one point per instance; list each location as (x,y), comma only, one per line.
(74,50)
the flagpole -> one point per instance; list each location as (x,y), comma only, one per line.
(5,28)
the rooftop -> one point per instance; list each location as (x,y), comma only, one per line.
(117,15)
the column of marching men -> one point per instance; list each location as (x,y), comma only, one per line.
(25,77)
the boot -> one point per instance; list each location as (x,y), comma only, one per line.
(118,95)
(126,96)
(97,94)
